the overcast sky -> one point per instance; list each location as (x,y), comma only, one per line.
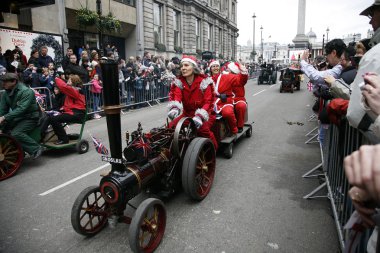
(279,19)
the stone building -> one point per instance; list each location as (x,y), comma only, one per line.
(164,27)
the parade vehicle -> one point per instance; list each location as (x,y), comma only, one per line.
(158,161)
(268,74)
(226,140)
(12,155)
(290,79)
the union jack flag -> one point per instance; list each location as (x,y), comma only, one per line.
(99,146)
(142,145)
(309,86)
(40,98)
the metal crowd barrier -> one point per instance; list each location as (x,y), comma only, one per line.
(339,142)
(137,93)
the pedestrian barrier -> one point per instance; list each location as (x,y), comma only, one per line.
(339,142)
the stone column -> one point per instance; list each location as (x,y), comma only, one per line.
(301,16)
(140,28)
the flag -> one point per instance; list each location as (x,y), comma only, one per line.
(142,145)
(40,98)
(99,147)
(309,86)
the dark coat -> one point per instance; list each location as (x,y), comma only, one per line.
(348,74)
(78,70)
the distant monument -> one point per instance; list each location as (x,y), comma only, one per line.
(301,40)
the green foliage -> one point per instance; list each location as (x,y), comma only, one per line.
(109,23)
(178,49)
(86,17)
(221,56)
(160,47)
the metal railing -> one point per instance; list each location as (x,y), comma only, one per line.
(340,141)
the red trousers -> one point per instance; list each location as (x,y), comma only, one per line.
(240,109)
(203,131)
(229,114)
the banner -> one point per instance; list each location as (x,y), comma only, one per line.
(27,41)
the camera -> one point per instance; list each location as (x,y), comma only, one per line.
(361,85)
(322,64)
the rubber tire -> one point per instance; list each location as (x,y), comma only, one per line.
(292,88)
(228,151)
(76,212)
(82,146)
(189,167)
(248,134)
(270,81)
(138,216)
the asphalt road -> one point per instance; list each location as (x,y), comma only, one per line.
(255,204)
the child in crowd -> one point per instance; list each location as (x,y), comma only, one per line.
(96,90)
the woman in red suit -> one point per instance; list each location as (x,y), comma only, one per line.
(239,91)
(223,90)
(193,96)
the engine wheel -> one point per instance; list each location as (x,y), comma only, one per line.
(82,146)
(198,168)
(229,150)
(147,226)
(184,132)
(248,134)
(89,214)
(11,156)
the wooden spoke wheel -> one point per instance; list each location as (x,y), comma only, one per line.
(11,156)
(184,132)
(147,226)
(198,168)
(89,214)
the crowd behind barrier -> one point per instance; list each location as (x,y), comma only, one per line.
(339,142)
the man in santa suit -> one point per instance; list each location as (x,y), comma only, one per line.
(192,96)
(238,89)
(223,90)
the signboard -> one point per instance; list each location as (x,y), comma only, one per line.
(27,41)
(207,55)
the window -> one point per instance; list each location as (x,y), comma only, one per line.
(198,33)
(210,37)
(233,12)
(128,2)
(177,28)
(157,24)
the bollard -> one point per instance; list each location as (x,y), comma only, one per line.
(112,110)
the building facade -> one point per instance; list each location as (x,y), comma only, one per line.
(176,27)
(162,27)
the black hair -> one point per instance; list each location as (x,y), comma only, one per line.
(365,42)
(349,52)
(336,44)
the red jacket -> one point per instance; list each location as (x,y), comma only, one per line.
(224,84)
(73,99)
(197,99)
(239,89)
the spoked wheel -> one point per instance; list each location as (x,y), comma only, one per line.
(184,132)
(11,156)
(89,214)
(147,226)
(198,168)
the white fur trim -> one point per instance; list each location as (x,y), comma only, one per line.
(178,83)
(189,60)
(234,69)
(214,63)
(205,83)
(175,104)
(203,113)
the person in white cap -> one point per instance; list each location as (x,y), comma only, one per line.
(192,95)
(223,90)
(240,102)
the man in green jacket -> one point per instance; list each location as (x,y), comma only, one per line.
(19,113)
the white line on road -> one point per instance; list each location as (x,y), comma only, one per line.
(73,180)
(258,92)
(272,85)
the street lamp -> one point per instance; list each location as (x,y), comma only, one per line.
(327,32)
(99,12)
(323,44)
(262,48)
(354,36)
(253,42)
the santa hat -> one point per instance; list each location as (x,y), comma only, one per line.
(214,62)
(234,67)
(189,58)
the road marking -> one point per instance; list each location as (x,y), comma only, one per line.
(258,92)
(272,85)
(73,180)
